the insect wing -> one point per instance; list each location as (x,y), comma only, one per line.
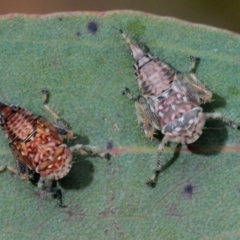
(204,94)
(146,112)
(16,151)
(44,123)
(181,84)
(195,90)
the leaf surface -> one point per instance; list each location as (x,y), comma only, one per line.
(84,63)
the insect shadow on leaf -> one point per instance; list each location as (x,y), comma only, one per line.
(81,174)
(214,133)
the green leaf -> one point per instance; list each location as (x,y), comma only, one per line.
(84,62)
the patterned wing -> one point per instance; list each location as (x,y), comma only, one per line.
(205,94)
(44,123)
(194,89)
(147,116)
(183,85)
(17,153)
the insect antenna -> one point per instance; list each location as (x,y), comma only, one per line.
(125,36)
(117,29)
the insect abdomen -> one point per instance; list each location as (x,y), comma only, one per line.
(17,123)
(154,76)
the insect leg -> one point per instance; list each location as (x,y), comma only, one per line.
(225,119)
(126,91)
(63,130)
(18,171)
(10,168)
(86,150)
(158,168)
(193,66)
(23,170)
(57,193)
(51,188)
(203,92)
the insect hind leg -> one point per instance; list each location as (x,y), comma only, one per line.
(50,186)
(225,119)
(62,129)
(153,180)
(57,193)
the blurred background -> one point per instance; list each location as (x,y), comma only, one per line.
(221,13)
